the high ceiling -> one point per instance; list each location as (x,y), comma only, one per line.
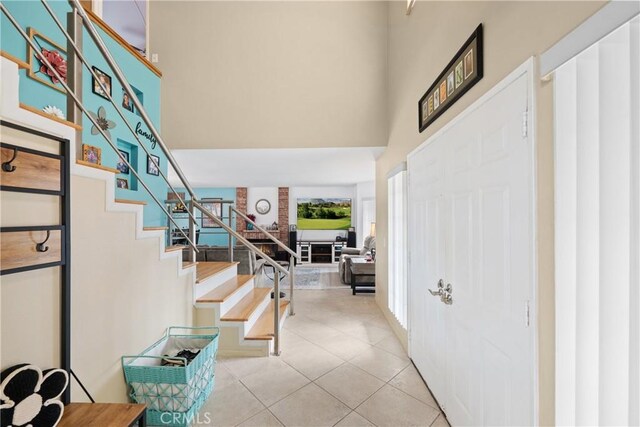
(277,167)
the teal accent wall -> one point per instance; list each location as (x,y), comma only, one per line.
(206,236)
(33,14)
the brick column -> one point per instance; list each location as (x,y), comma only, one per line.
(241,205)
(283,214)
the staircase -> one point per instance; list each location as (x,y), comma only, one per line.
(243,311)
(249,319)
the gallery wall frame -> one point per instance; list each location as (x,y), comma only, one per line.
(461,74)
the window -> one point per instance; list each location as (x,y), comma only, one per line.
(398,245)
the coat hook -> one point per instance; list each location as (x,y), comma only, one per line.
(7,166)
(40,247)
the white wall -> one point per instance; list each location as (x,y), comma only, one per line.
(348,191)
(365,194)
(269,193)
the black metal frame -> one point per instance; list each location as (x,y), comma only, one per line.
(38,153)
(64,226)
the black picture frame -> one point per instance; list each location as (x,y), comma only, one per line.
(95,87)
(470,54)
(127,102)
(121,166)
(151,168)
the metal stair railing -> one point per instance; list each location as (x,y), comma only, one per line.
(293,257)
(194,204)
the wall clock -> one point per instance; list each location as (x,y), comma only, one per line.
(263,206)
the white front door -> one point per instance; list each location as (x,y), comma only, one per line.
(475,184)
(427,266)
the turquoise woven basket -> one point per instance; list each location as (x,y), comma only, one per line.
(183,419)
(173,389)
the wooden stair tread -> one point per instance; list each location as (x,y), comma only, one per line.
(205,270)
(228,288)
(131,202)
(101,167)
(246,306)
(154,228)
(263,329)
(174,248)
(187,264)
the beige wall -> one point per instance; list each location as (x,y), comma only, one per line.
(123,296)
(271,74)
(420,45)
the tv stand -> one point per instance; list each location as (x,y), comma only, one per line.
(320,251)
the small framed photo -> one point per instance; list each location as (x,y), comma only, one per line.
(151,167)
(122,166)
(105,79)
(122,183)
(91,154)
(127,102)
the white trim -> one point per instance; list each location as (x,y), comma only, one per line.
(402,166)
(603,22)
(528,68)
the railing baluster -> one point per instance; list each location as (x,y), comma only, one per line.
(230,236)
(292,280)
(276,313)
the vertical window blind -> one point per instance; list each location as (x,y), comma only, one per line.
(397,265)
(597,231)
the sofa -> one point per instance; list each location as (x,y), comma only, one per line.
(344,265)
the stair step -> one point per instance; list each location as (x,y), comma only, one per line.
(242,311)
(154,228)
(205,270)
(228,288)
(131,202)
(101,167)
(187,264)
(174,248)
(263,329)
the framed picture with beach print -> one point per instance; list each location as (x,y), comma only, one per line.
(460,75)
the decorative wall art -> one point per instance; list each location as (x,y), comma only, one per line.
(105,79)
(464,71)
(263,206)
(91,154)
(54,53)
(104,123)
(215,207)
(151,167)
(122,183)
(122,166)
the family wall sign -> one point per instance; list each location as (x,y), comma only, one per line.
(460,74)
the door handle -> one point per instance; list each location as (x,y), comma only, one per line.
(440,290)
(446,297)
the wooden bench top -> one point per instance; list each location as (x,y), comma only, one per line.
(101,414)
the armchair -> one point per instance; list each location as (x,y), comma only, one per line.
(348,253)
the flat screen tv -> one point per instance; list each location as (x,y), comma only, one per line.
(324,214)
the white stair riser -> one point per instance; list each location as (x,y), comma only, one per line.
(256,314)
(203,288)
(225,306)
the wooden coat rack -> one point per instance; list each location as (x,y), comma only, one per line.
(25,170)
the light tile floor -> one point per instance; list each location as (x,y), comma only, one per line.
(341,365)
